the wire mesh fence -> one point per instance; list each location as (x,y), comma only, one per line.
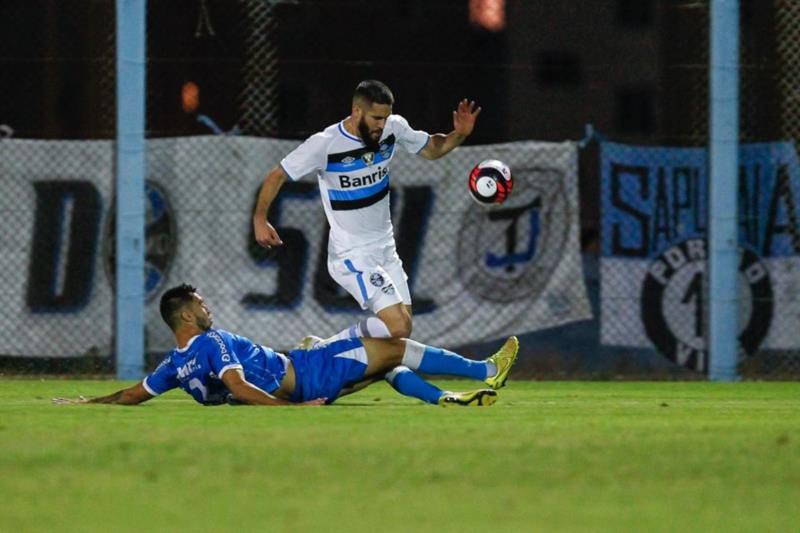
(598,259)
(57,83)
(769,184)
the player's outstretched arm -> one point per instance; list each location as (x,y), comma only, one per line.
(248,393)
(130,396)
(463,123)
(265,232)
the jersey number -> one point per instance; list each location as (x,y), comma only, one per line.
(197,385)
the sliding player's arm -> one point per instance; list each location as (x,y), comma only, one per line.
(130,396)
(464,118)
(246,392)
(159,381)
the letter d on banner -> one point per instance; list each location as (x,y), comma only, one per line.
(64,245)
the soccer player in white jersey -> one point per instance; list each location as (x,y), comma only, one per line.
(351,160)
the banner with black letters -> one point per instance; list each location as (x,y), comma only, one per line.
(654,249)
(475,273)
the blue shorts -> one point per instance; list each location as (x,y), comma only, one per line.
(323,372)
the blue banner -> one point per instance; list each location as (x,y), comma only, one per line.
(655,197)
(654,250)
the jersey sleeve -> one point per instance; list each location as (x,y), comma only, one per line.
(306,158)
(410,139)
(162,379)
(220,355)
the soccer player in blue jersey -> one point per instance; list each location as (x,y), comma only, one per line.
(215,366)
(351,161)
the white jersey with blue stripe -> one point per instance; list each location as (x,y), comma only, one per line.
(354,180)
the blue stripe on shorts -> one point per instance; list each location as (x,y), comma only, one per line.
(359,278)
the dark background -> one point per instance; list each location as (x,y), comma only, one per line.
(636,69)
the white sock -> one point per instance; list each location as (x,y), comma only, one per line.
(412,356)
(374,328)
(370,328)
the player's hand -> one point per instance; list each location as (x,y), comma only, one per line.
(317,401)
(266,235)
(464,117)
(69,401)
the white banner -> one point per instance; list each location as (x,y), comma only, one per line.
(476,273)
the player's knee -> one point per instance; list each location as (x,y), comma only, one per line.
(396,371)
(400,328)
(387,352)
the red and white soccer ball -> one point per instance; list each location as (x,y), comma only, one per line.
(490,182)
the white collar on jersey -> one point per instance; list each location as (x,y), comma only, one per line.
(347,134)
(181,350)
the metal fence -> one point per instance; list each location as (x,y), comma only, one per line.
(233,85)
(770,112)
(58,84)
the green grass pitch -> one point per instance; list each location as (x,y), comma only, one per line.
(549,456)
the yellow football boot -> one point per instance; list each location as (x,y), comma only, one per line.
(503,359)
(469,399)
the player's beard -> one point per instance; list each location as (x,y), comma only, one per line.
(203,323)
(363,131)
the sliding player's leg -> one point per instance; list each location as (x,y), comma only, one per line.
(392,357)
(409,383)
(385,354)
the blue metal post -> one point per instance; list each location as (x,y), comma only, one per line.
(130,169)
(723,260)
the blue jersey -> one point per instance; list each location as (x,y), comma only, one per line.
(198,367)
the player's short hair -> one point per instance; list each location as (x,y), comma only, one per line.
(173,300)
(373,92)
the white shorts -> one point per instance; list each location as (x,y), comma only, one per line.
(374,277)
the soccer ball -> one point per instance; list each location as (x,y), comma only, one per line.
(490,182)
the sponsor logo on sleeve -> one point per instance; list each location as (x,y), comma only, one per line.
(223,350)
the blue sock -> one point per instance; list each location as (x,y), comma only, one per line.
(431,360)
(407,382)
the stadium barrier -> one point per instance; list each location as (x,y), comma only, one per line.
(476,274)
